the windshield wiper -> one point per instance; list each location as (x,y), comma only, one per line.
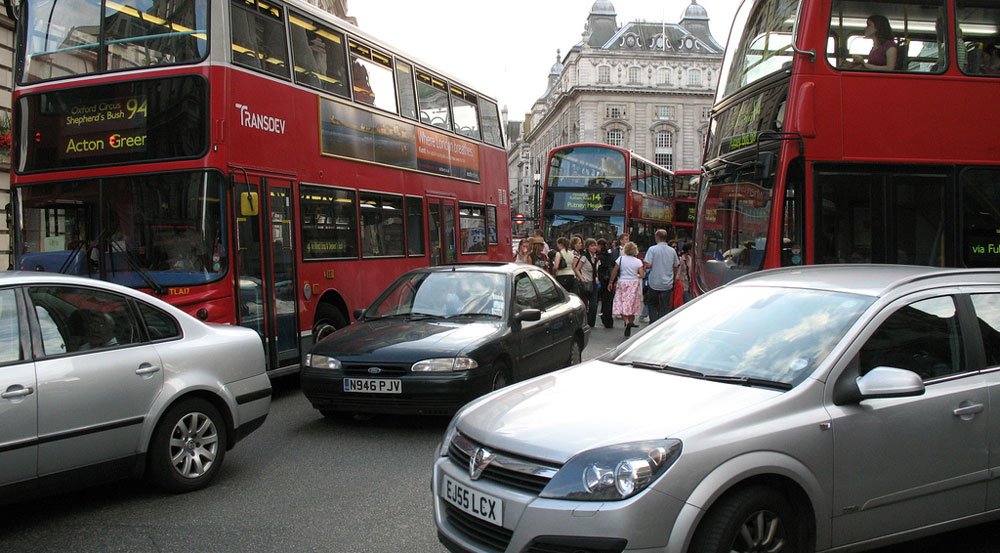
(455,316)
(667,368)
(749,381)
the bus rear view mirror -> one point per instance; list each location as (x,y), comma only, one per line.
(765,164)
(249,204)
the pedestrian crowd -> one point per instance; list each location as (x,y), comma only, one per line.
(611,278)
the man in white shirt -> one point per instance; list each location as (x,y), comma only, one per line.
(662,262)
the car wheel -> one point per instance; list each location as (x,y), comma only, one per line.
(328,320)
(501,376)
(188,446)
(575,354)
(752,519)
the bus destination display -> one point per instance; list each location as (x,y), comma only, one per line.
(127,122)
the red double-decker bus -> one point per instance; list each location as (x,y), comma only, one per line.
(686,186)
(853,131)
(599,191)
(253,162)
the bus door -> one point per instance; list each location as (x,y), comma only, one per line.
(265,266)
(441,230)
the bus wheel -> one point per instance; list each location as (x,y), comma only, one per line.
(328,319)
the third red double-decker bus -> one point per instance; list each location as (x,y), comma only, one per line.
(854,131)
(253,162)
(600,191)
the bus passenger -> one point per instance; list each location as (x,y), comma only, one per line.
(885,52)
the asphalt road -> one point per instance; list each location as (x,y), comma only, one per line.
(299,484)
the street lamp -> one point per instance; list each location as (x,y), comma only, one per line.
(538,199)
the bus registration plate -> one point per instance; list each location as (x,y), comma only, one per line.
(373,385)
(472,501)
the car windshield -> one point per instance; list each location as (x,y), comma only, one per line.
(765,333)
(443,294)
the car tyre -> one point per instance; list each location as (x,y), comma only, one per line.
(575,354)
(188,446)
(328,320)
(755,518)
(501,376)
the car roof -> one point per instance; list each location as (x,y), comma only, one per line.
(480,267)
(870,280)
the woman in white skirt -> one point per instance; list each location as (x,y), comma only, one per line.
(626,283)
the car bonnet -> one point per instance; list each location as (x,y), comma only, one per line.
(555,416)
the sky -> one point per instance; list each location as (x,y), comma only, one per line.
(505,48)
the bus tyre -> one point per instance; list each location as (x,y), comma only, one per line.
(755,518)
(328,319)
(188,446)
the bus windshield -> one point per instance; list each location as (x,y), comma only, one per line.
(587,167)
(763,32)
(733,227)
(142,231)
(65,38)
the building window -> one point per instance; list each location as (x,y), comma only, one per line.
(604,74)
(634,75)
(664,113)
(706,112)
(615,111)
(664,150)
(616,137)
(663,76)
(694,77)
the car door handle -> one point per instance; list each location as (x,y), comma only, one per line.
(146,369)
(17,391)
(968,409)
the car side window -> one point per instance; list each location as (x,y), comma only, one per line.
(988,315)
(547,291)
(525,295)
(81,319)
(10,335)
(160,325)
(923,337)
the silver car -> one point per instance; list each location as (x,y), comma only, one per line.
(100,381)
(808,409)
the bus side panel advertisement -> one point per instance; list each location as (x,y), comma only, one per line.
(359,134)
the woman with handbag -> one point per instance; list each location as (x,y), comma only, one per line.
(586,269)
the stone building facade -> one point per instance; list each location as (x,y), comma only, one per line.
(646,86)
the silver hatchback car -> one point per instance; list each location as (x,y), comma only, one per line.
(100,381)
(809,409)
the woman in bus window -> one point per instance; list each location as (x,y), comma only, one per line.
(884,52)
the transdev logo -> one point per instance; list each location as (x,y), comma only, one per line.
(260,122)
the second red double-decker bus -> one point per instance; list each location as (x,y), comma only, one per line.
(253,162)
(600,191)
(854,131)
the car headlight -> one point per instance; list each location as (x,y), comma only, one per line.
(613,472)
(322,362)
(444,365)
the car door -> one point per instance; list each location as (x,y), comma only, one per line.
(555,309)
(556,316)
(531,337)
(985,314)
(905,463)
(97,377)
(18,397)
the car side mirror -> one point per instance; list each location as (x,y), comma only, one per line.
(886,382)
(879,383)
(528,315)
(358,313)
